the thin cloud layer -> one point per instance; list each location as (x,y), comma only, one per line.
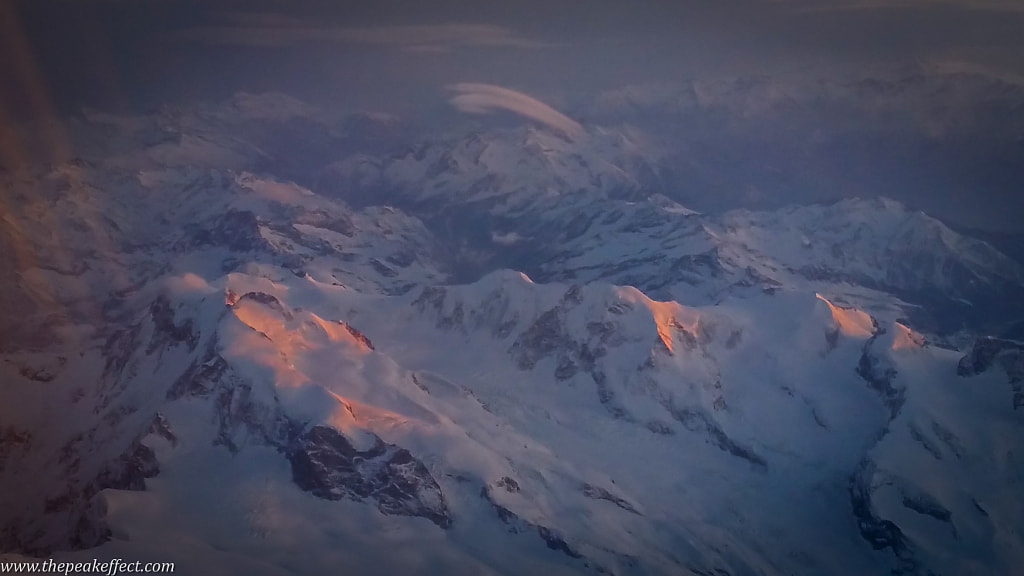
(273,30)
(856,5)
(486,98)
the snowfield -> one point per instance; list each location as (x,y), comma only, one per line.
(216,367)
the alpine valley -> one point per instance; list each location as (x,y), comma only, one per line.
(251,339)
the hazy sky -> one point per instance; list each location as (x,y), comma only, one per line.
(411,58)
(401,53)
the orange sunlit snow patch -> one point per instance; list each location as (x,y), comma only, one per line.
(906,339)
(667,315)
(851,322)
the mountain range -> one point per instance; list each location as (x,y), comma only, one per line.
(501,351)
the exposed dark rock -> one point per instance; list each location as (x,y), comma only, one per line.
(659,428)
(697,421)
(979,508)
(201,377)
(1007,354)
(517,525)
(162,428)
(711,572)
(925,442)
(119,349)
(402,259)
(598,493)
(237,230)
(129,472)
(566,368)
(925,504)
(326,464)
(359,336)
(509,484)
(163,322)
(952,442)
(340,223)
(242,419)
(268,300)
(78,507)
(574,295)
(880,374)
(453,320)
(984,354)
(42,373)
(544,337)
(606,396)
(555,542)
(12,443)
(382,268)
(431,297)
(879,532)
(695,269)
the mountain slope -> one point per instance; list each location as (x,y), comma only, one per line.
(233,372)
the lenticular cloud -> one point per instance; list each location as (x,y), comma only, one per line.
(485,98)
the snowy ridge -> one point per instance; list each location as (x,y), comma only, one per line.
(505,172)
(505,399)
(597,209)
(222,368)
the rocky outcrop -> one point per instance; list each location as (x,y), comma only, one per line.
(78,509)
(129,472)
(880,373)
(879,532)
(517,525)
(237,230)
(328,466)
(1006,354)
(696,420)
(14,443)
(598,493)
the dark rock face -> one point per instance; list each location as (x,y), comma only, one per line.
(927,505)
(358,335)
(323,461)
(13,442)
(542,338)
(164,325)
(1007,354)
(200,378)
(879,532)
(340,223)
(517,525)
(237,230)
(697,421)
(555,542)
(326,464)
(509,484)
(268,300)
(598,493)
(879,373)
(129,472)
(985,353)
(79,507)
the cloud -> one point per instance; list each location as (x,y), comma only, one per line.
(506,239)
(868,5)
(486,98)
(263,29)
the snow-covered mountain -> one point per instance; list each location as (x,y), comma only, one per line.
(598,209)
(941,99)
(515,355)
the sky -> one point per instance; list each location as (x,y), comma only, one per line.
(400,53)
(406,57)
